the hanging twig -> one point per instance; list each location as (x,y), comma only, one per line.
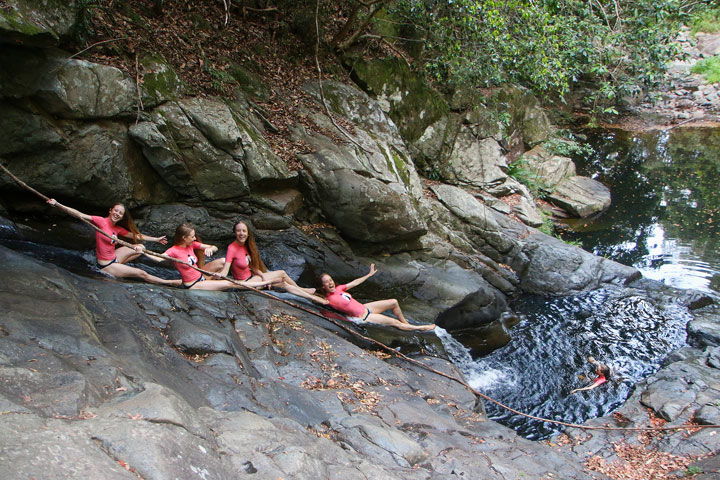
(320,87)
(140,106)
(95,44)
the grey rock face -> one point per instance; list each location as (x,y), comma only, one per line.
(581,196)
(89,154)
(370,193)
(33,23)
(551,266)
(704,330)
(550,169)
(316,406)
(186,158)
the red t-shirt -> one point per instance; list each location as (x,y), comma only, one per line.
(343,302)
(240,261)
(186,254)
(105,247)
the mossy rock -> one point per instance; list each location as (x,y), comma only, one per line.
(250,83)
(160,82)
(402,93)
(37,23)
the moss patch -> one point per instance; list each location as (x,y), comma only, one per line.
(412,104)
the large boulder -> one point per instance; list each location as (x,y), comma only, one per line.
(550,266)
(160,83)
(67,88)
(94,164)
(37,23)
(403,94)
(581,196)
(462,153)
(186,158)
(372,192)
(550,169)
(202,151)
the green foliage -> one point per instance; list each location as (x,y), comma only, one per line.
(548,227)
(707,21)
(221,78)
(693,470)
(709,67)
(567,146)
(519,171)
(621,46)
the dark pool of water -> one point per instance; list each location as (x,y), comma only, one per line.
(665,212)
(547,356)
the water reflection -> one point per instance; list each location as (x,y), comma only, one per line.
(665,202)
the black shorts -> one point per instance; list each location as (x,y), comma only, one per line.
(114,260)
(193,284)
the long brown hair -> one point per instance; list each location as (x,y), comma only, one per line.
(256,263)
(181,232)
(127,222)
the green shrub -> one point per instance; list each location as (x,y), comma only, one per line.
(707,21)
(709,67)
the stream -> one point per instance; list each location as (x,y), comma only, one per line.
(665,189)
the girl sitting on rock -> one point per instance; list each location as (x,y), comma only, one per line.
(338,298)
(244,262)
(112,260)
(189,250)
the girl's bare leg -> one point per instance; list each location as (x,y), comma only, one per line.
(393,322)
(125,255)
(215,266)
(125,271)
(302,292)
(278,277)
(214,285)
(382,305)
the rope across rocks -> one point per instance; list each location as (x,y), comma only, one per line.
(371,340)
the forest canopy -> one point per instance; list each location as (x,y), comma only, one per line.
(617,47)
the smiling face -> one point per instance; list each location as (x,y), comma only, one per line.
(328,284)
(189,238)
(241,233)
(117,212)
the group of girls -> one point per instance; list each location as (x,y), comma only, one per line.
(242,261)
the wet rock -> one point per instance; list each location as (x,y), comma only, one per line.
(581,196)
(477,309)
(704,330)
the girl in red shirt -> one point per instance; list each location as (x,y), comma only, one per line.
(112,260)
(189,250)
(372,312)
(244,262)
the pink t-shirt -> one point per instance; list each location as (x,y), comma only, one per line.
(104,247)
(343,302)
(240,261)
(185,254)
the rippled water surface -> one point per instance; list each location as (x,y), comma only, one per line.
(666,197)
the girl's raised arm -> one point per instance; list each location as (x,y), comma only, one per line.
(360,280)
(70,211)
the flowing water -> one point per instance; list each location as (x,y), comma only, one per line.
(666,195)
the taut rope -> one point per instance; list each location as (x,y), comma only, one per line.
(370,340)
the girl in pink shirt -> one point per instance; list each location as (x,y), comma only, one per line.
(601,370)
(244,262)
(112,260)
(372,312)
(189,250)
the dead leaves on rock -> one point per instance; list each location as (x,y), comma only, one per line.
(638,462)
(351,392)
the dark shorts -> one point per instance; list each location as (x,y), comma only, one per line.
(114,260)
(193,284)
